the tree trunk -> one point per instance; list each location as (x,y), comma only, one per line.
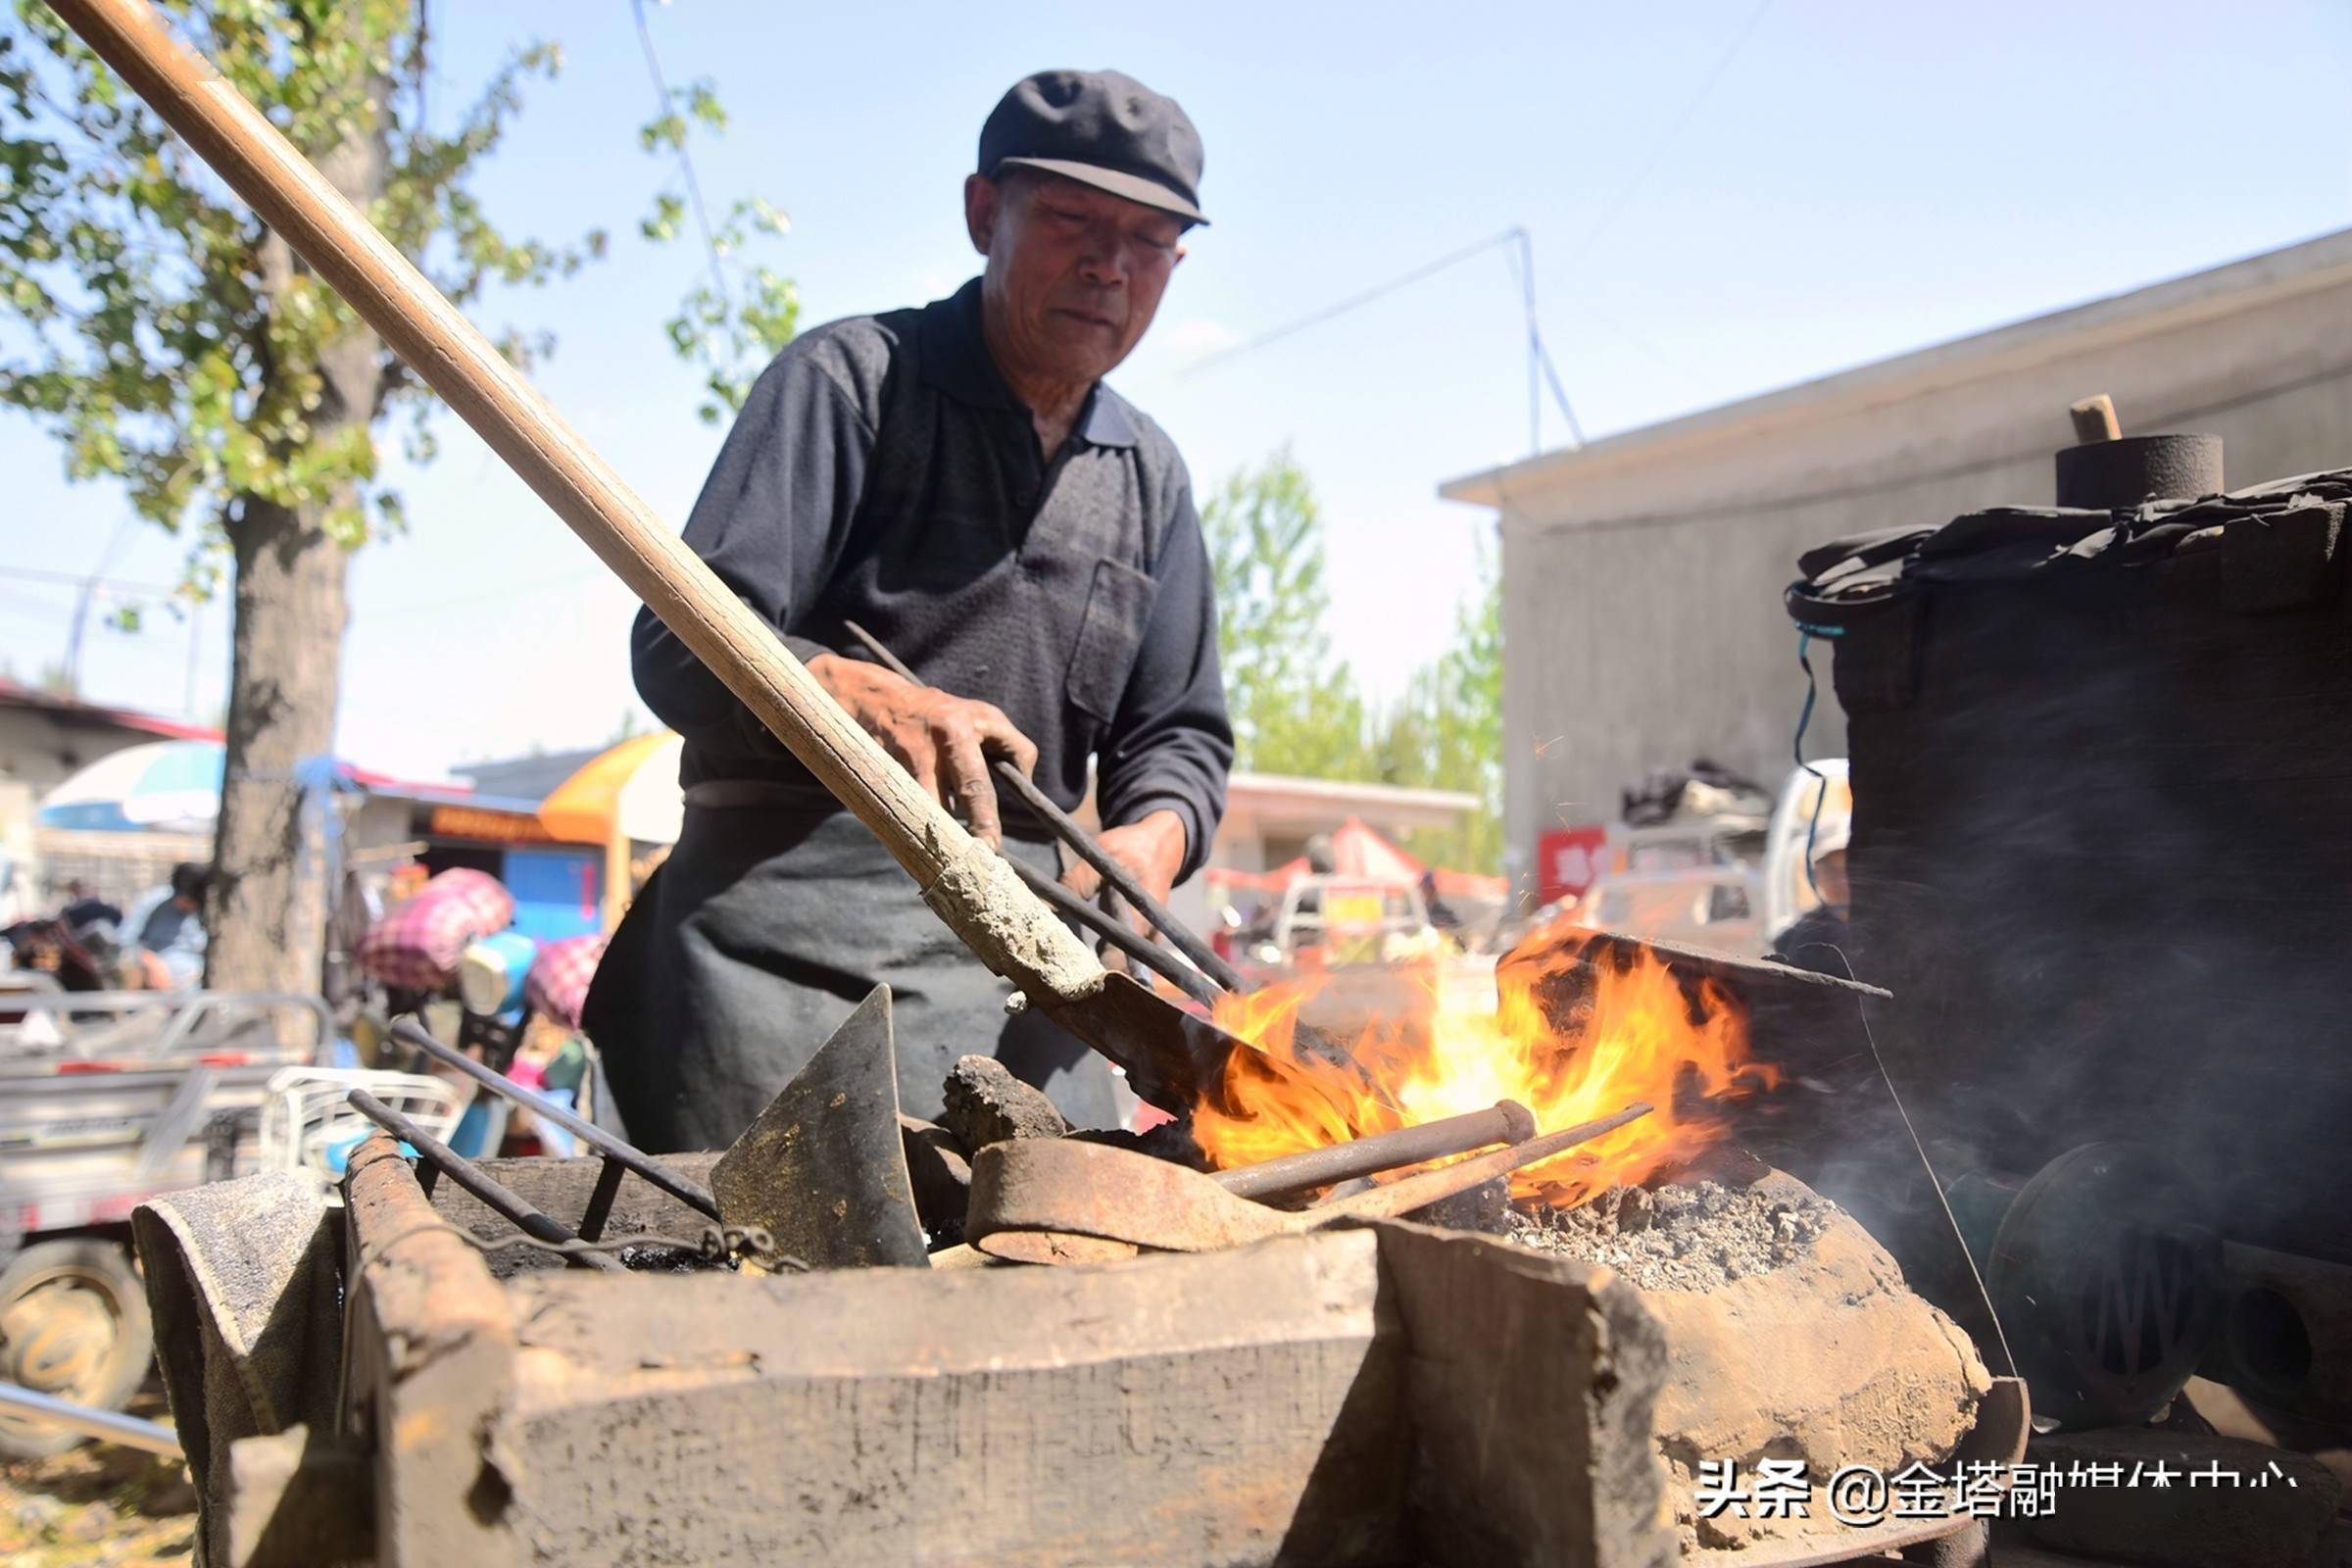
(268,910)
(267,919)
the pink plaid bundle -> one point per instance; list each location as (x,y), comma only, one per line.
(557,985)
(419,944)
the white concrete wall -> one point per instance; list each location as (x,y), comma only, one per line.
(1642,575)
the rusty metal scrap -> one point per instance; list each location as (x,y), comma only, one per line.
(1063,1200)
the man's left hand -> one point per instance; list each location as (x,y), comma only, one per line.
(1152,848)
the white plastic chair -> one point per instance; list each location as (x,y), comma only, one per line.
(308,1124)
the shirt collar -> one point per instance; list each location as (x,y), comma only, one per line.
(957,362)
(1103,420)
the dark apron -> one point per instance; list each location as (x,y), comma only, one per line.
(757,938)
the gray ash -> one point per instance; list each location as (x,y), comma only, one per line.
(1693,1238)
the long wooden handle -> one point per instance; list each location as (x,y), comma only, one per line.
(969,887)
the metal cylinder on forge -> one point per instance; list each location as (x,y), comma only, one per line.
(2105,476)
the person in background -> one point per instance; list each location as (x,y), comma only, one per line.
(1820,939)
(1441,913)
(553,1062)
(82,909)
(163,937)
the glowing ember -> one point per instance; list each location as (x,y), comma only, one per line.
(1583,1027)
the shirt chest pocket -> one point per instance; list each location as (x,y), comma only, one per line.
(1117,607)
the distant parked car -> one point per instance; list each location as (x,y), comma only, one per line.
(1713,906)
(1371,946)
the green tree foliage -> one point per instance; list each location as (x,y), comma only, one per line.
(160,346)
(731,324)
(178,347)
(168,341)
(1297,708)
(1447,733)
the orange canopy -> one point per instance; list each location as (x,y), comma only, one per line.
(1358,850)
(629,790)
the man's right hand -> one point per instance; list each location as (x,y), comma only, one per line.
(943,741)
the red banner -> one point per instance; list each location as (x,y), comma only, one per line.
(1569,860)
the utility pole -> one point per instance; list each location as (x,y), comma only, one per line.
(82,604)
(81,615)
(195,646)
(1534,340)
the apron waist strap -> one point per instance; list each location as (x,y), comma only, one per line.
(743,794)
(763,794)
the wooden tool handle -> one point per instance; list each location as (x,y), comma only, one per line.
(969,887)
(2094,420)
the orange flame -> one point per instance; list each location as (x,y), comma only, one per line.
(1583,1027)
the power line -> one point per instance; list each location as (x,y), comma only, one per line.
(694,186)
(1541,372)
(1660,146)
(77,579)
(1381,291)
(41,607)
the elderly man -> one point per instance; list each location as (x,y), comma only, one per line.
(958,480)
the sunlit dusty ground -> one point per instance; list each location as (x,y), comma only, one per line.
(98,1506)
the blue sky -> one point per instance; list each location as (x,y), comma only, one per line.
(1860,179)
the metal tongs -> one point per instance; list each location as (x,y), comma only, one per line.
(1207,972)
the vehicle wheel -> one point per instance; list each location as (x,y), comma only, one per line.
(74,1324)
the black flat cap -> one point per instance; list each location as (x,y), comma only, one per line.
(1102,130)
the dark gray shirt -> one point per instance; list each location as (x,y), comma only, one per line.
(882,473)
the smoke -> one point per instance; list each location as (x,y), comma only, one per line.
(2101,856)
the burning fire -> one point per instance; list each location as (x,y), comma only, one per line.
(1583,1027)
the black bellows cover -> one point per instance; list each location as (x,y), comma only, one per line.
(2102,848)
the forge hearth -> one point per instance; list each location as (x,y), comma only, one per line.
(1363,1392)
(1383,1393)
(1794,1338)
(1684,1237)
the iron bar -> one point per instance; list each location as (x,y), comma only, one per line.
(481,1184)
(108,1426)
(1111,930)
(684,1188)
(1506,1121)
(600,1200)
(1089,849)
(1408,1192)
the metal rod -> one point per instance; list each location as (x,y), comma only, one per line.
(684,1188)
(1123,881)
(1089,848)
(108,1426)
(1425,1187)
(600,1202)
(1506,1121)
(1111,930)
(481,1184)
